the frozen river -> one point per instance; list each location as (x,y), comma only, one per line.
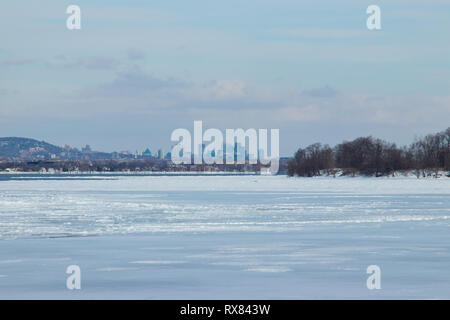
(224,237)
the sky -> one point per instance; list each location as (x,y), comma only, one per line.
(137,70)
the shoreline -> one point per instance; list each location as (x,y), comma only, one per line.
(412,174)
(131,173)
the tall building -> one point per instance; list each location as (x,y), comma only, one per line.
(147,153)
(160,154)
(86,149)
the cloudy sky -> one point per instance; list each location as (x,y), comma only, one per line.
(139,69)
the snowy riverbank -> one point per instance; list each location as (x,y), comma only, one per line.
(261,237)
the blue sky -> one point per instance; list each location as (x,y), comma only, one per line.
(139,69)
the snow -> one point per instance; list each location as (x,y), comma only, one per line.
(224,237)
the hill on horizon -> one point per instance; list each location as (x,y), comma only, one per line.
(20,147)
(32,149)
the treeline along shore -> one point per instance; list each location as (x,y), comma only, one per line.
(370,156)
(144,166)
(364,156)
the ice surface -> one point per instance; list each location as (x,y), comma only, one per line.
(225,237)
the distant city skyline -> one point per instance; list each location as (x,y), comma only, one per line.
(138,70)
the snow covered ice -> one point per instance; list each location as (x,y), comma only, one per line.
(224,237)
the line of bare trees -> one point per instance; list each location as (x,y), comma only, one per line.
(115,166)
(371,156)
(84,165)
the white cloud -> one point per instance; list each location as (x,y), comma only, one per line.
(90,62)
(218,90)
(18,61)
(318,33)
